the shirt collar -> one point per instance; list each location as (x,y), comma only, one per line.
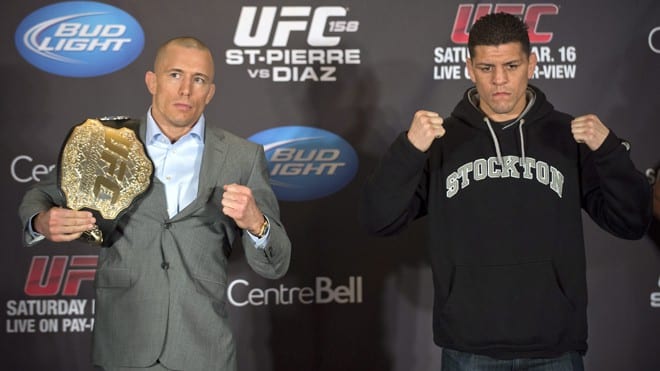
(154,134)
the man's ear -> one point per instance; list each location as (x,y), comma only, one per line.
(150,81)
(210,94)
(468,64)
(531,67)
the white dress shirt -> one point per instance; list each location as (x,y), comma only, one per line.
(178,165)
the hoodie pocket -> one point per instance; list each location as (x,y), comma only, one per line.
(502,305)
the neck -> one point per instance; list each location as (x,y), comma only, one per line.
(174,133)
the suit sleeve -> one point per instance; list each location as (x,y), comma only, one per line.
(273,260)
(614,193)
(40,197)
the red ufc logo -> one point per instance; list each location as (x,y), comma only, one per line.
(65,274)
(531,16)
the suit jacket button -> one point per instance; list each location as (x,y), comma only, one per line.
(166,225)
(165,265)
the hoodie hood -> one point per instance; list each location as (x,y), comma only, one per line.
(468,112)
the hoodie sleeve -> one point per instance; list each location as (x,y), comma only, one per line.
(396,191)
(614,193)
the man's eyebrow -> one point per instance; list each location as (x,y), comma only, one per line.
(513,61)
(176,69)
(202,75)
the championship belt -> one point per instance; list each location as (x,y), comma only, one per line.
(103,168)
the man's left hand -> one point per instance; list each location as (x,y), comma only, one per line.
(588,129)
(238,203)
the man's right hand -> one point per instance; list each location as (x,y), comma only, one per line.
(424,129)
(61,225)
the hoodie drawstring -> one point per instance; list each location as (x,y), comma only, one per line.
(522,142)
(531,98)
(495,141)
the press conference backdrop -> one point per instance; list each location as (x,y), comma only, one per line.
(335,81)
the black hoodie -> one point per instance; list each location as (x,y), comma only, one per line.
(504,207)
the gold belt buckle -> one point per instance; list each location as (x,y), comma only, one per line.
(103,169)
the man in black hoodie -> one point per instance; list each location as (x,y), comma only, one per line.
(509,166)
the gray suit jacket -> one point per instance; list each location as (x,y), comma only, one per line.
(161,288)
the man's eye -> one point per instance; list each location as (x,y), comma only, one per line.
(175,75)
(200,80)
(512,66)
(486,69)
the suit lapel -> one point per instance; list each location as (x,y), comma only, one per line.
(157,187)
(213,169)
(210,176)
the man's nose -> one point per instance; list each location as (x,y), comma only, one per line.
(184,88)
(500,76)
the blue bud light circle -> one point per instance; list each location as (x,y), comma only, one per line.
(79,39)
(306,163)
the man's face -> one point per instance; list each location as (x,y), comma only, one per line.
(181,85)
(500,74)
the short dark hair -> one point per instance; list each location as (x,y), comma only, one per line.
(497,29)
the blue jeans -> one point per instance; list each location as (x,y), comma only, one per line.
(453,360)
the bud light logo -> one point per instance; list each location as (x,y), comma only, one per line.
(306,163)
(79,39)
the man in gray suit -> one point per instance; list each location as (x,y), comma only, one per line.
(161,284)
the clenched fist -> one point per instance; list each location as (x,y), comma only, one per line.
(239,204)
(424,129)
(588,129)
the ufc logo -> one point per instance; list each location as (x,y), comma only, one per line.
(64,276)
(531,16)
(115,154)
(299,21)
